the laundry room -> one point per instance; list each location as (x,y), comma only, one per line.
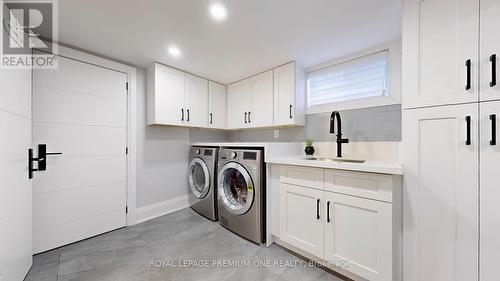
(321,140)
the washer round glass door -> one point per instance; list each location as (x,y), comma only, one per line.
(199,178)
(236,188)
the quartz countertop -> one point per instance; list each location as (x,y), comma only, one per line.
(382,166)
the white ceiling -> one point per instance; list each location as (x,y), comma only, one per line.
(257,35)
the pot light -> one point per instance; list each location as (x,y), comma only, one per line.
(218,12)
(174,51)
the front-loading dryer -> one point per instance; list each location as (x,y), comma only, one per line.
(202,180)
(241,193)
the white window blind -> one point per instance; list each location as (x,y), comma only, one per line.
(359,78)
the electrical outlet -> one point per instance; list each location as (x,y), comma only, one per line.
(276,134)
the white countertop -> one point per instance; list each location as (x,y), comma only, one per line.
(370,165)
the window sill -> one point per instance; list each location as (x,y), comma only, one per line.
(354,104)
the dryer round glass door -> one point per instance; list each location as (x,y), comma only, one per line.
(236,189)
(199,178)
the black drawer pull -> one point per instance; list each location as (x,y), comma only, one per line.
(246,117)
(188,115)
(317,209)
(182,114)
(249,121)
(493,60)
(493,118)
(211,118)
(291,112)
(467,120)
(468,65)
(328,211)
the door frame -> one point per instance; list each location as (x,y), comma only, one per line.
(131,156)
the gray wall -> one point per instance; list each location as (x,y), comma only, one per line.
(369,124)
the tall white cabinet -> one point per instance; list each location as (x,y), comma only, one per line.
(451,102)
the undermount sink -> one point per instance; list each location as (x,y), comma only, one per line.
(335,160)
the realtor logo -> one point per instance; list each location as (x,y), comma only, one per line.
(28,30)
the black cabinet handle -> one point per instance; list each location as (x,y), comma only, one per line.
(249,120)
(328,211)
(211,118)
(188,115)
(290,111)
(468,65)
(467,120)
(317,209)
(246,117)
(493,60)
(182,114)
(493,118)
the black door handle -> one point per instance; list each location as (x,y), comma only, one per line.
(328,211)
(246,117)
(188,115)
(249,120)
(182,114)
(317,209)
(290,111)
(211,118)
(468,141)
(468,65)
(493,59)
(493,118)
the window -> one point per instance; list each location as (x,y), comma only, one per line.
(353,80)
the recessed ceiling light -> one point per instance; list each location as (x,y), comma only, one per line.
(174,51)
(218,11)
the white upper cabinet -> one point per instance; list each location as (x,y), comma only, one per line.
(440,206)
(176,98)
(490,50)
(165,97)
(216,105)
(289,95)
(440,52)
(239,102)
(261,113)
(489,191)
(196,101)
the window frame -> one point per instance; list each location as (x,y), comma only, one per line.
(393,81)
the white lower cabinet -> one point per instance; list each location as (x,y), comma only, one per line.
(359,232)
(301,218)
(341,227)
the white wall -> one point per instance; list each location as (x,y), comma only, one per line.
(162,156)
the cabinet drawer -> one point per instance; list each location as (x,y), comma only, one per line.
(367,185)
(303,176)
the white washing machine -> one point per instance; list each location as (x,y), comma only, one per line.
(202,181)
(241,192)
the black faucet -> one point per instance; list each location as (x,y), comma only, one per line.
(340,140)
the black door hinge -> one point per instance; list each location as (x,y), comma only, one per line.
(126,85)
(126,150)
(126,210)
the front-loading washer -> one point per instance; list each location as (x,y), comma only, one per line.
(241,192)
(202,180)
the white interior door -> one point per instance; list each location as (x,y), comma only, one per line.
(490,50)
(15,187)
(440,202)
(490,191)
(80,110)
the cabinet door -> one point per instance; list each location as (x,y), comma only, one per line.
(440,202)
(240,102)
(261,113)
(490,191)
(359,231)
(216,105)
(169,95)
(301,218)
(490,50)
(440,36)
(284,94)
(196,103)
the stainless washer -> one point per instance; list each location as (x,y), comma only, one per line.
(241,193)
(202,181)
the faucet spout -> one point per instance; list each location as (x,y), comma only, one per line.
(340,140)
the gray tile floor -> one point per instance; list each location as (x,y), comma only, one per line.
(175,239)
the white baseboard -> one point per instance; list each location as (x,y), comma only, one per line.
(159,209)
